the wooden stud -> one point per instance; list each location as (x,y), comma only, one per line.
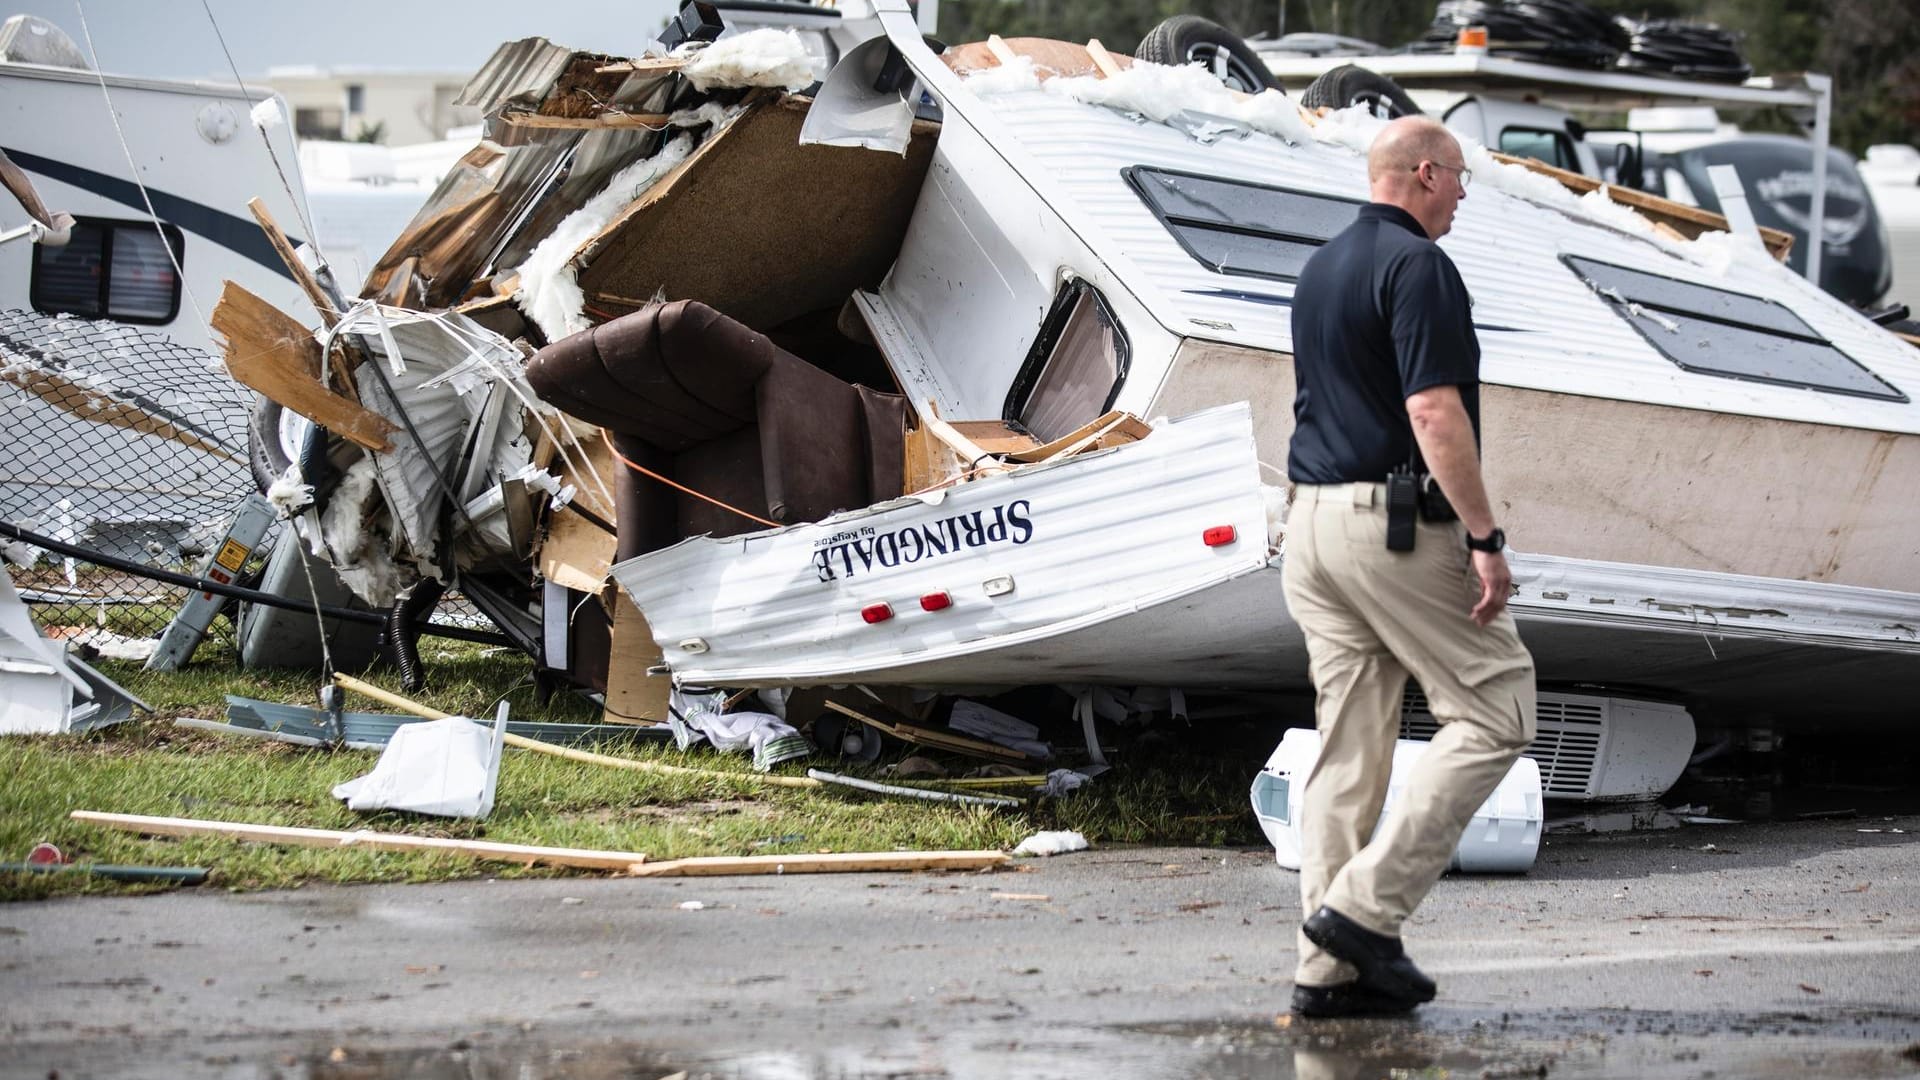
(268,351)
(646,65)
(848,862)
(537,122)
(523,854)
(1001,51)
(875,715)
(1689,221)
(1103,61)
(301,275)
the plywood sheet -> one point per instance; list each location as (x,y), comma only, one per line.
(576,552)
(760,227)
(633,696)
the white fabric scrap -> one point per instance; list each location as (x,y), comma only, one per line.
(1063,782)
(765,57)
(288,495)
(266,114)
(1051,843)
(549,291)
(448,767)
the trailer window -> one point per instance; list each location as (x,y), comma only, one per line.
(110,270)
(1233,227)
(1075,368)
(1732,335)
(1540,144)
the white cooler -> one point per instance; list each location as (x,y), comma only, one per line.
(1502,838)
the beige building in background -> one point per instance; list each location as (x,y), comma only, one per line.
(345,103)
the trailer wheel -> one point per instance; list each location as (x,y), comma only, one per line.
(1190,39)
(275,437)
(1350,84)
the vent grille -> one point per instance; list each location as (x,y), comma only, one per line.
(1566,742)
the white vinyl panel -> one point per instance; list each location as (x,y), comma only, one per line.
(1095,537)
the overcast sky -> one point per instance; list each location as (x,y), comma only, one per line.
(174,39)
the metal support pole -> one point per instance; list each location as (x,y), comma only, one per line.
(1822,86)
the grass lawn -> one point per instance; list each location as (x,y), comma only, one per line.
(1171,791)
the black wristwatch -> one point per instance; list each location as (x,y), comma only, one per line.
(1494,542)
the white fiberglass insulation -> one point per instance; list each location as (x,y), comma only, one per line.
(288,495)
(363,563)
(765,57)
(549,291)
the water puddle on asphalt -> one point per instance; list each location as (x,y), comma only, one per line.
(1439,1045)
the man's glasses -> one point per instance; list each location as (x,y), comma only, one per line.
(1466,174)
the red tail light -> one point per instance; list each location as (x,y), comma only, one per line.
(1218,535)
(874,613)
(936,601)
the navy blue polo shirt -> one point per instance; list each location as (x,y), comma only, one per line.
(1380,314)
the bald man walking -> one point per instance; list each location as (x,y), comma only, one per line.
(1388,374)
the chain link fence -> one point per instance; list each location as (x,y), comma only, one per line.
(121,440)
(118,439)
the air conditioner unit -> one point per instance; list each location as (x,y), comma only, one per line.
(1591,747)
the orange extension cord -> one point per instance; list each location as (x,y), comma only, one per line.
(644,471)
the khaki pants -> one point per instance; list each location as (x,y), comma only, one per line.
(1371,617)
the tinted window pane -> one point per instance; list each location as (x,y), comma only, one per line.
(66,280)
(1546,146)
(1233,227)
(1667,294)
(1719,349)
(141,282)
(1253,256)
(1080,374)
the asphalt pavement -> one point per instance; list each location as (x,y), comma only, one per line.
(1749,951)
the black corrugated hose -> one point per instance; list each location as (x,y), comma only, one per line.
(404,623)
(1577,34)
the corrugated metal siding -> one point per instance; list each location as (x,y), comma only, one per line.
(1560,336)
(520,70)
(1112,533)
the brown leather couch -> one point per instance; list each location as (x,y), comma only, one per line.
(698,397)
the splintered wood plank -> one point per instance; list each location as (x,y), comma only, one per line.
(886,720)
(848,862)
(268,351)
(995,436)
(1113,429)
(971,453)
(537,122)
(301,275)
(997,46)
(523,854)
(1689,221)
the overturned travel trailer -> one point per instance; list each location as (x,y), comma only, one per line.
(848,388)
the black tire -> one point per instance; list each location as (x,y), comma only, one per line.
(1350,84)
(1188,39)
(268,457)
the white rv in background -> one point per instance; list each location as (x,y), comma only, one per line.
(123,431)
(195,149)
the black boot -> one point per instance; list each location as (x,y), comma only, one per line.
(1384,967)
(1345,999)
